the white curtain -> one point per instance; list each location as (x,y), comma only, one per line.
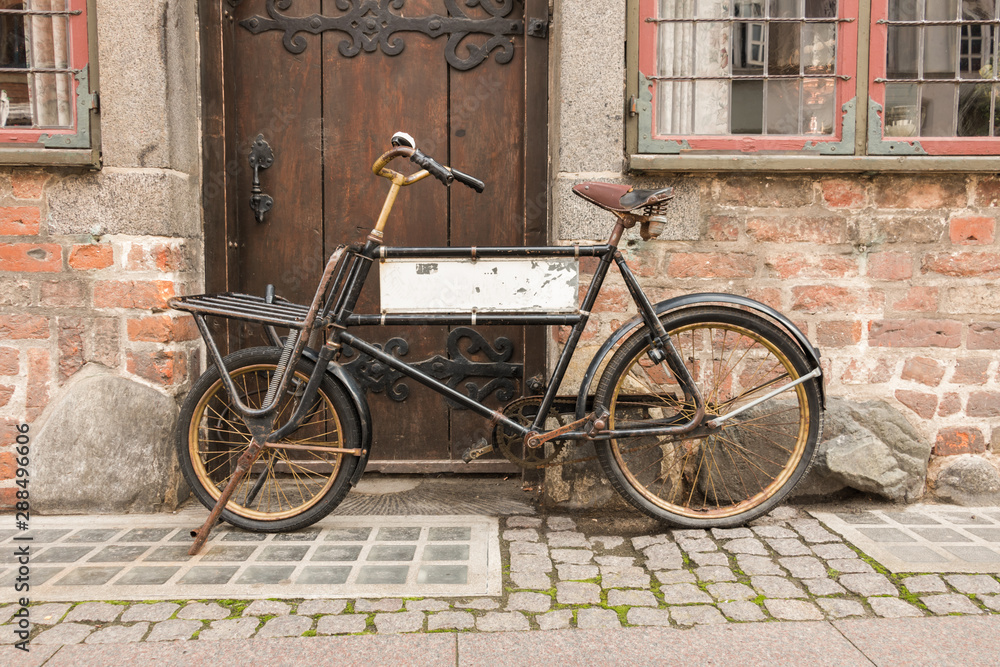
(48,47)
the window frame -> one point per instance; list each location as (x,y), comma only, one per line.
(78,145)
(863,146)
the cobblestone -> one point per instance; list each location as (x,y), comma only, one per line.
(523,522)
(567,539)
(675,577)
(867,584)
(823,586)
(633,577)
(757,565)
(496,621)
(64,633)
(991,601)
(976,584)
(406,621)
(742,610)
(925,583)
(118,634)
(575,592)
(570,572)
(341,625)
(893,608)
(616,562)
(529,602)
(793,610)
(775,532)
(664,556)
(696,615)
(529,549)
(698,544)
(521,535)
(426,605)
(287,626)
(588,619)
(749,545)
(618,598)
(267,608)
(647,616)
(197,611)
(46,614)
(561,523)
(483,604)
(715,573)
(155,613)
(531,580)
(554,620)
(731,533)
(837,608)
(683,594)
(776,587)
(950,603)
(575,556)
(385,604)
(850,566)
(813,531)
(803,567)
(607,542)
(233,628)
(710,559)
(173,630)
(789,547)
(451,620)
(832,551)
(101,612)
(530,563)
(731,592)
(642,541)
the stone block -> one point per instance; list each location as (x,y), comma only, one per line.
(101,612)
(588,619)
(868,584)
(554,620)
(968,480)
(64,633)
(341,625)
(742,610)
(234,628)
(536,602)
(119,634)
(173,630)
(314,607)
(618,598)
(407,621)
(950,603)
(696,615)
(107,446)
(451,620)
(793,610)
(837,608)
(647,616)
(574,592)
(925,583)
(777,587)
(893,608)
(157,612)
(496,621)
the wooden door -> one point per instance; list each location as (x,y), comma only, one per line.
(323,87)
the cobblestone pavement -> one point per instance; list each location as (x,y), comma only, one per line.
(563,572)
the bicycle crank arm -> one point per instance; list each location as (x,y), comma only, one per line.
(534,440)
(715,423)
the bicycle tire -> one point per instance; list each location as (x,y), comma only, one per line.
(297,488)
(746,467)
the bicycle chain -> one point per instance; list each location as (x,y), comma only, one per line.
(536,458)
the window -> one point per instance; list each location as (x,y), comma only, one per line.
(784,77)
(47,99)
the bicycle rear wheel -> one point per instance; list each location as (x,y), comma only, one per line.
(724,477)
(285,489)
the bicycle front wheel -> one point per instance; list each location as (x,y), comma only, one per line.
(724,477)
(286,488)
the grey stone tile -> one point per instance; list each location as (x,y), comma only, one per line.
(757,565)
(633,577)
(315,607)
(382,604)
(101,612)
(731,592)
(860,517)
(283,553)
(647,616)
(823,586)
(383,574)
(912,518)
(715,573)
(45,536)
(886,535)
(977,584)
(833,551)
(64,633)
(554,620)
(675,577)
(741,610)
(88,576)
(683,594)
(233,628)
(155,613)
(988,534)
(173,630)
(227,553)
(531,580)
(570,572)
(427,605)
(521,535)
(535,602)
(61,554)
(449,534)
(496,621)
(118,553)
(337,553)
(588,619)
(39,575)
(574,592)
(789,547)
(240,536)
(975,554)
(803,567)
(941,535)
(435,552)
(967,519)
(145,534)
(696,615)
(917,554)
(576,556)
(47,614)
(631,598)
(567,539)
(285,626)
(776,587)
(173,554)
(300,535)
(837,608)
(523,522)
(203,611)
(119,634)
(348,534)
(793,610)
(443,574)
(341,625)
(925,583)
(392,552)
(893,608)
(867,584)
(852,565)
(265,574)
(560,523)
(219,574)
(267,608)
(95,535)
(451,620)
(147,576)
(950,603)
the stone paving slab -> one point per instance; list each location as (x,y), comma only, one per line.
(966,641)
(924,538)
(123,558)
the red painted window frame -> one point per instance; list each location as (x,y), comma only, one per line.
(878,56)
(847,56)
(79,59)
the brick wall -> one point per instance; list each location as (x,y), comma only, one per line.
(893,277)
(70,300)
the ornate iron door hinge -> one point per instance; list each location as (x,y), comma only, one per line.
(370,25)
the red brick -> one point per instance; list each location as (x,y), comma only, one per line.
(838,334)
(8,431)
(984,336)
(28,184)
(711,265)
(19,220)
(972,230)
(920,192)
(983,404)
(8,466)
(158,257)
(64,293)
(867,371)
(922,404)
(766,295)
(33,257)
(7,498)
(843,193)
(951,404)
(6,392)
(39,376)
(160,366)
(764,191)
(971,370)
(963,264)
(723,228)
(20,327)
(71,332)
(830,299)
(813,266)
(162,329)
(951,441)
(988,191)
(890,266)
(613,299)
(915,333)
(10,361)
(132,294)
(794,229)
(923,370)
(910,229)
(919,299)
(643,261)
(92,256)
(105,345)
(561,334)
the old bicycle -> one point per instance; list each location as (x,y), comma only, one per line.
(706,412)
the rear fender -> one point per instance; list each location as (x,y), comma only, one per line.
(688,301)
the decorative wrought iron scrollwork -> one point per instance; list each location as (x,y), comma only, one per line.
(376,377)
(371,25)
(261,157)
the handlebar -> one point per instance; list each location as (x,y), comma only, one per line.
(429,167)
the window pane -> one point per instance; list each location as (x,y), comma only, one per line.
(901,105)
(819,102)
(940,51)
(974,110)
(748,107)
(14,85)
(905,10)
(785,8)
(938,106)
(783,49)
(904,52)
(819,48)
(783,106)
(821,9)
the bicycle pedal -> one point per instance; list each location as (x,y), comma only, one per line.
(473,453)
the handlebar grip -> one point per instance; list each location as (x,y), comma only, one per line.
(470,181)
(436,170)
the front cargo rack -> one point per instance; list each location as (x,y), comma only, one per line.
(246,307)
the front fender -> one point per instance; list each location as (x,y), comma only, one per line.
(687,301)
(360,402)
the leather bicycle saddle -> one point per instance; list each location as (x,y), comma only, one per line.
(621,198)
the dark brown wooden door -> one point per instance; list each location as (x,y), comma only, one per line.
(327,117)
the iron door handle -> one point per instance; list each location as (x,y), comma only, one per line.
(261,157)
